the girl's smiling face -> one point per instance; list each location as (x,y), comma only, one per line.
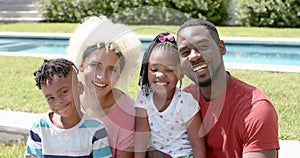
(164,71)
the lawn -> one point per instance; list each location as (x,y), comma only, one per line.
(19,93)
(143,29)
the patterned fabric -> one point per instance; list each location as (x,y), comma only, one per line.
(168,128)
(87,139)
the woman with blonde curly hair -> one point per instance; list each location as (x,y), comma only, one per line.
(106,53)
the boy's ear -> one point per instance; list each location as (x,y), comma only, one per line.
(81,68)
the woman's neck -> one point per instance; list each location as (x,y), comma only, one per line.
(100,106)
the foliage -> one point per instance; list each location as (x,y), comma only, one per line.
(136,11)
(269,13)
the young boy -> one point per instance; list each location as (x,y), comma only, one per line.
(65,131)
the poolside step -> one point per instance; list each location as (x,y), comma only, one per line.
(19,11)
(15,125)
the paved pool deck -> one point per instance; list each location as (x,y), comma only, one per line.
(15,126)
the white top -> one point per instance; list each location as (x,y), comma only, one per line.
(168,128)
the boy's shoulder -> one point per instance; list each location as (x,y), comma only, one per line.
(42,121)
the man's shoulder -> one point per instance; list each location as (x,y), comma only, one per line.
(242,88)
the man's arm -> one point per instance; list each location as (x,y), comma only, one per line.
(261,128)
(261,154)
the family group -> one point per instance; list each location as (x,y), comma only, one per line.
(92,114)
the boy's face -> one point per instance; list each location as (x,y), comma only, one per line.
(62,94)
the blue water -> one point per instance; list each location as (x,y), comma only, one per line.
(237,52)
(45,46)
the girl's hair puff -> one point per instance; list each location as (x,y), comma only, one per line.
(156,44)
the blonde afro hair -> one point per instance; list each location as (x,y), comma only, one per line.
(101,29)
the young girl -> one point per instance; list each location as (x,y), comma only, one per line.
(105,53)
(65,131)
(169,114)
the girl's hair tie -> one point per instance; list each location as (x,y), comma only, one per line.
(163,38)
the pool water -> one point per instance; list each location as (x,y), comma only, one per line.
(238,51)
(263,54)
(41,46)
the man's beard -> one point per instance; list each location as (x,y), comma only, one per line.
(209,81)
(205,83)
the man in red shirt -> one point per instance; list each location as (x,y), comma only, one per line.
(239,119)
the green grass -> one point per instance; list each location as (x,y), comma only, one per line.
(150,30)
(12,150)
(19,93)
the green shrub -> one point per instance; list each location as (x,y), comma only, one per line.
(136,11)
(269,13)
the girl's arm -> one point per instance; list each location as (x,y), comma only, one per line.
(196,134)
(142,133)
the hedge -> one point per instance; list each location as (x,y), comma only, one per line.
(136,11)
(262,13)
(269,13)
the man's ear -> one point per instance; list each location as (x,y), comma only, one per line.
(222,47)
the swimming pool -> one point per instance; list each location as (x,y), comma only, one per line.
(242,53)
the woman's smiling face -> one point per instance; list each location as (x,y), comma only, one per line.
(101,70)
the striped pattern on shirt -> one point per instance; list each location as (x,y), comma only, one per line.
(87,139)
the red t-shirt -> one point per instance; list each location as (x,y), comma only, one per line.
(240,121)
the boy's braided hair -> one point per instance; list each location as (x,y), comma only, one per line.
(60,67)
